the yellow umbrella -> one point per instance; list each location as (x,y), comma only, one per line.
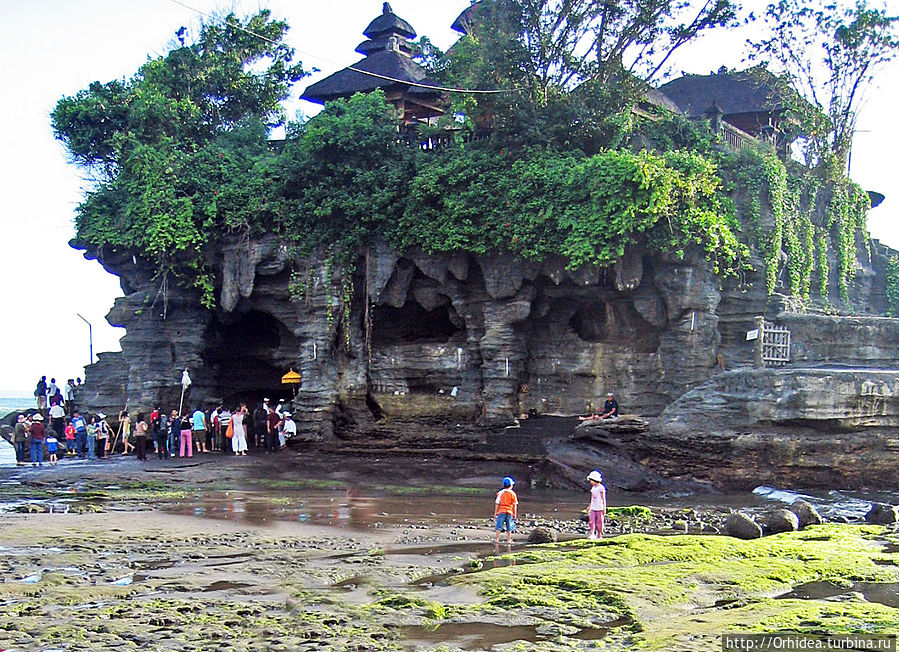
(292,378)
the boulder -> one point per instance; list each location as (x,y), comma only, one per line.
(781,520)
(541,534)
(807,514)
(882,514)
(742,527)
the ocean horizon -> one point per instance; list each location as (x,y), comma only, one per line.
(15,404)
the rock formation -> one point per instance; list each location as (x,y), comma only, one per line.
(417,347)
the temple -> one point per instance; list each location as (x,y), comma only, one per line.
(388,65)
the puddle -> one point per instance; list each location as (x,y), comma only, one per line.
(123,581)
(882,593)
(225,585)
(468,636)
(31,579)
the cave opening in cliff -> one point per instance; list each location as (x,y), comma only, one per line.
(247,355)
(412,323)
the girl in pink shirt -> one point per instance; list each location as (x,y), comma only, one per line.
(597,505)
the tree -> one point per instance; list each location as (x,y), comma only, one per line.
(830,52)
(181,147)
(553,54)
(190,95)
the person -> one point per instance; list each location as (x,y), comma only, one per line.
(260,425)
(70,438)
(224,421)
(597,505)
(37,439)
(20,435)
(125,429)
(68,396)
(506,509)
(91,439)
(239,436)
(80,426)
(102,434)
(140,436)
(199,427)
(40,393)
(271,433)
(58,418)
(186,435)
(288,429)
(174,432)
(51,446)
(52,390)
(609,409)
(162,434)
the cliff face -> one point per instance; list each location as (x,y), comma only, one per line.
(410,345)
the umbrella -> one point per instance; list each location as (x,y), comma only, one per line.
(292,378)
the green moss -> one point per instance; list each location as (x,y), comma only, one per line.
(650,578)
(702,631)
(638,512)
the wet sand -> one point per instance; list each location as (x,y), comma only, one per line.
(294,551)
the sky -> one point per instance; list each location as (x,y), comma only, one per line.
(54,48)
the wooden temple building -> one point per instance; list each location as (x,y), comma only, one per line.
(388,65)
(751,102)
(741,106)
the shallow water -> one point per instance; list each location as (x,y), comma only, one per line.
(7,454)
(885,593)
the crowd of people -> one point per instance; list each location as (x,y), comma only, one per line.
(60,430)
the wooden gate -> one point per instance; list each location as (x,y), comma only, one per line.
(772,345)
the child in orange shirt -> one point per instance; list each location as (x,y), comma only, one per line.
(506,510)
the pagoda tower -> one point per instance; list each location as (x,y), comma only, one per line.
(387,65)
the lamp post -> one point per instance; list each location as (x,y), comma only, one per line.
(90,336)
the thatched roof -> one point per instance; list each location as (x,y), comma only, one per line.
(387,54)
(388,23)
(748,91)
(388,63)
(656,97)
(464,20)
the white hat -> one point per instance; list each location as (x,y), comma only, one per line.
(287,414)
(37,417)
(101,415)
(596,476)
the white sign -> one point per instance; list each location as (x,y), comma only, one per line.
(752,335)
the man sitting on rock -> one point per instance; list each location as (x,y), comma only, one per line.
(609,409)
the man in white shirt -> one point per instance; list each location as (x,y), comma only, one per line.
(288,429)
(68,395)
(58,419)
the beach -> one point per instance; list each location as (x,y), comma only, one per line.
(299,551)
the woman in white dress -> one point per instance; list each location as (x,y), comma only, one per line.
(239,439)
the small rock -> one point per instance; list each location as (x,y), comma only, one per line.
(781,520)
(882,514)
(807,514)
(542,534)
(742,527)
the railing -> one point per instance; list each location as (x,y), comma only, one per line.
(735,138)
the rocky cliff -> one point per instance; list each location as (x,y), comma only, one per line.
(414,347)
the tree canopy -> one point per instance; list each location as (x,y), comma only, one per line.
(829,50)
(184,163)
(571,64)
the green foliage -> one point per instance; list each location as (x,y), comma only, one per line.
(181,147)
(587,209)
(571,69)
(794,211)
(892,286)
